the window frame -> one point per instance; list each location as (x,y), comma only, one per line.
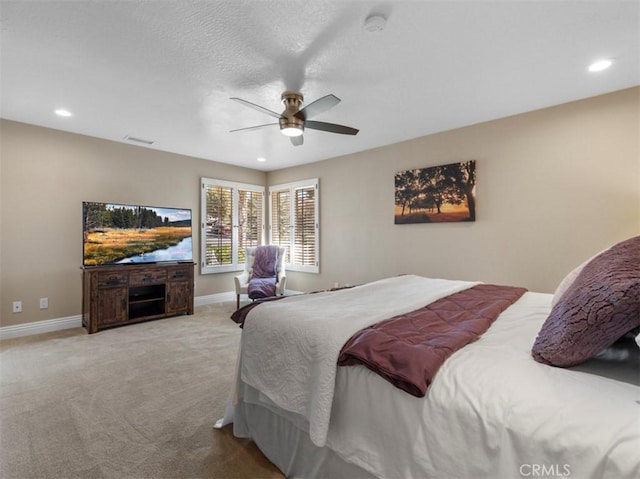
(236,187)
(291,188)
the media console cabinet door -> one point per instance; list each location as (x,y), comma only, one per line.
(180,290)
(112,305)
(179,297)
(112,294)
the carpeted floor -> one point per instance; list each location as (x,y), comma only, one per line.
(133,402)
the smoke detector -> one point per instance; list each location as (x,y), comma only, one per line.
(375,23)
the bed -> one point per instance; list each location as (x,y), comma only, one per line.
(491,410)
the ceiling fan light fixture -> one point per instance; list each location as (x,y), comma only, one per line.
(289,124)
(291,131)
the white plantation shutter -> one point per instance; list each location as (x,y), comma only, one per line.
(304,233)
(219,208)
(294,223)
(250,221)
(232,218)
(281,220)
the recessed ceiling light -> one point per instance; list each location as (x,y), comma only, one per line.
(65,113)
(262,159)
(600,65)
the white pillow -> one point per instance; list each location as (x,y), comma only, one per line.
(566,283)
(570,278)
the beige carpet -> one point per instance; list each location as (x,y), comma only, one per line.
(133,402)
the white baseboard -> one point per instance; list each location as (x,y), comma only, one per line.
(39,327)
(214,298)
(58,324)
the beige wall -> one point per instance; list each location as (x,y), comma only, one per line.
(47,174)
(554,186)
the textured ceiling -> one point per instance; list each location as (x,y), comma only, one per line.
(165,71)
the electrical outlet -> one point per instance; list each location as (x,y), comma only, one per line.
(17,306)
(44,303)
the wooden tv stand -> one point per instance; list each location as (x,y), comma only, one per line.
(119,295)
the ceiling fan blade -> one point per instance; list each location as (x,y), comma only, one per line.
(330,127)
(318,106)
(254,127)
(296,140)
(257,107)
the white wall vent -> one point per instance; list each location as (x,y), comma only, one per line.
(138,140)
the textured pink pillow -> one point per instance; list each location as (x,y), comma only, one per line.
(601,305)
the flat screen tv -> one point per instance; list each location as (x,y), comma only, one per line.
(120,234)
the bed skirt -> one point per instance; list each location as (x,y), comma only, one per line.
(287,446)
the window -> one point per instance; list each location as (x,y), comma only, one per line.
(294,223)
(232,219)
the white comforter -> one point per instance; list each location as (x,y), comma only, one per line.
(492,412)
(300,338)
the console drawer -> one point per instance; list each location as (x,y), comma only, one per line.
(180,274)
(108,280)
(149,276)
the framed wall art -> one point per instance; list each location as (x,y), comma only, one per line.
(437,194)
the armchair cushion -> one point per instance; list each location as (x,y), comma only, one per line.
(261,288)
(263,281)
(242,280)
(265,264)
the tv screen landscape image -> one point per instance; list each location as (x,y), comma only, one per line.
(120,234)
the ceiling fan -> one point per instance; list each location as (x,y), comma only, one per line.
(293,120)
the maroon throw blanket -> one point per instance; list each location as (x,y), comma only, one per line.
(407,350)
(239,315)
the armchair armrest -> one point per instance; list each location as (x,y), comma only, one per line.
(241,279)
(282,280)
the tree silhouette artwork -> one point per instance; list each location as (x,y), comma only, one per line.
(437,194)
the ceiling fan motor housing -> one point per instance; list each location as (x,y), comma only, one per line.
(292,102)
